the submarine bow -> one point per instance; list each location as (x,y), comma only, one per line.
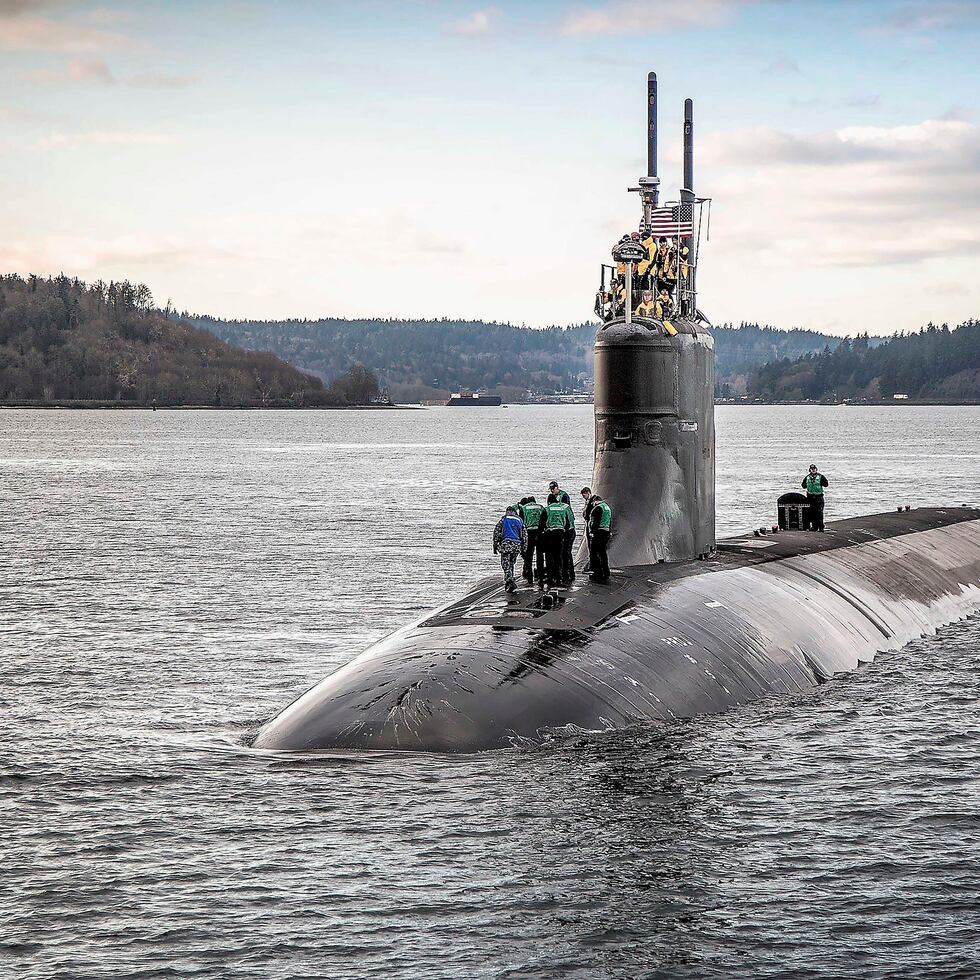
(685,625)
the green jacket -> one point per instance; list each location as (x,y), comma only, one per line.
(554,517)
(601,516)
(814,484)
(532,515)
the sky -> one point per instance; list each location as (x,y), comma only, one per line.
(420,158)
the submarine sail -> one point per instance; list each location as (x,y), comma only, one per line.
(686,624)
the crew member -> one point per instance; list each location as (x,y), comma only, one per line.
(604,304)
(600,523)
(814,484)
(621,266)
(647,269)
(531,515)
(590,498)
(669,269)
(684,271)
(560,494)
(663,305)
(567,547)
(509,540)
(552,526)
(646,306)
(660,263)
(619,296)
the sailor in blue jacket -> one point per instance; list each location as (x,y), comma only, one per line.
(510,541)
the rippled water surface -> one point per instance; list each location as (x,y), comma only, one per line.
(171,579)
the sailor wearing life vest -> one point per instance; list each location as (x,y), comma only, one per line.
(551,532)
(600,524)
(814,484)
(646,306)
(530,513)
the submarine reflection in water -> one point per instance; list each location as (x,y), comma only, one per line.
(685,625)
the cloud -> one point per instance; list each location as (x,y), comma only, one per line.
(648,16)
(868,100)
(928,143)
(39,34)
(920,17)
(159,80)
(98,72)
(782,66)
(113,256)
(854,197)
(474,24)
(23,29)
(947,288)
(14,8)
(75,71)
(60,140)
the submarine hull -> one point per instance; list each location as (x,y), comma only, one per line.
(765,615)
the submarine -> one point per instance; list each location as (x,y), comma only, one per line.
(686,624)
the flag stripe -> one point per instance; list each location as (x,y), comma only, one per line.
(676,221)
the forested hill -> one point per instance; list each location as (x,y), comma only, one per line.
(61,340)
(421,358)
(936,364)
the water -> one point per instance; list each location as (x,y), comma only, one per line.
(171,579)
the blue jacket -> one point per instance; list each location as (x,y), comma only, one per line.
(510,528)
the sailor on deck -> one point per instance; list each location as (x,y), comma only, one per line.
(533,555)
(552,527)
(509,540)
(600,524)
(814,484)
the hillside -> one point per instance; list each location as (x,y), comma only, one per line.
(935,364)
(426,358)
(61,340)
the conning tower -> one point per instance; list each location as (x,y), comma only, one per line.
(654,387)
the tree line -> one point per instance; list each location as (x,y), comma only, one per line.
(429,358)
(63,340)
(934,364)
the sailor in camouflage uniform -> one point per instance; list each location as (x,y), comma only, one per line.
(509,541)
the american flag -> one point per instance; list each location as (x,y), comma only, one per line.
(675,222)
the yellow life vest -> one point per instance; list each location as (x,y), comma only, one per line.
(651,246)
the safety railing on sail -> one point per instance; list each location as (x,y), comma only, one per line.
(679,280)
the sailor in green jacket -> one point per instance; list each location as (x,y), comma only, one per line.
(814,484)
(551,535)
(567,547)
(557,492)
(600,524)
(531,512)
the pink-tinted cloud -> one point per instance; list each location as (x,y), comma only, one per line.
(647,16)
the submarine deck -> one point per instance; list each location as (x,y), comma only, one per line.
(585,604)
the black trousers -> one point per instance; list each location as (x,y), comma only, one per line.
(598,559)
(815,500)
(534,569)
(553,542)
(567,557)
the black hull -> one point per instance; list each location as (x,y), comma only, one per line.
(489,401)
(776,614)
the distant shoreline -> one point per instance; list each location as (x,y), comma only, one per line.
(114,405)
(900,403)
(85,404)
